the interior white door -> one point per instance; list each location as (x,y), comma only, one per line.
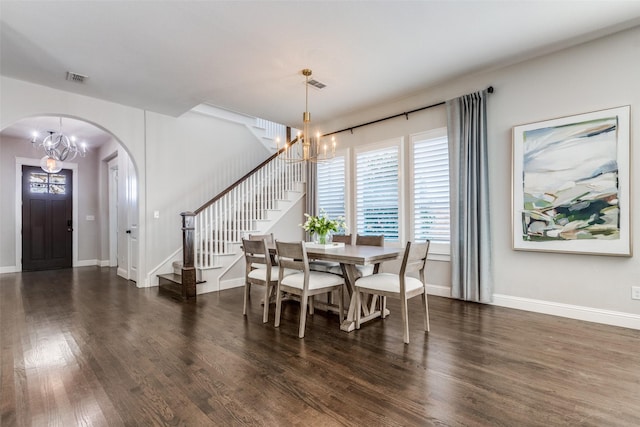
(132,218)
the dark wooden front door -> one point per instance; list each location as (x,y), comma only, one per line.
(46,219)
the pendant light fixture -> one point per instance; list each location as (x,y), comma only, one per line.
(305,148)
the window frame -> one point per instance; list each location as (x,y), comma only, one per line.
(346,153)
(437,251)
(399,143)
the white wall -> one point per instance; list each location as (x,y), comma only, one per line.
(597,75)
(190,159)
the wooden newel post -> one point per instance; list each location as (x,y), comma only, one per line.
(188,255)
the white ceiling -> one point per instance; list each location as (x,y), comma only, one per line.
(246,56)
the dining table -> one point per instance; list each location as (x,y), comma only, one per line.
(350,256)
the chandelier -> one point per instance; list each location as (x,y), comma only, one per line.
(58,148)
(308,149)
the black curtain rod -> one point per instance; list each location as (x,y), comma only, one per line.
(406,114)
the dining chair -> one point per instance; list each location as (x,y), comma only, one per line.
(268,237)
(400,286)
(378,240)
(270,240)
(260,271)
(331,266)
(304,282)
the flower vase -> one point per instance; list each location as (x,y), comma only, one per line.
(322,238)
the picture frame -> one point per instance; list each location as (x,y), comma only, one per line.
(571,184)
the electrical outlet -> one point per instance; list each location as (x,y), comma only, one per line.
(635,292)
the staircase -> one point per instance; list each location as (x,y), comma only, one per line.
(212,234)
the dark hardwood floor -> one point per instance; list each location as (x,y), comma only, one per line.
(83,347)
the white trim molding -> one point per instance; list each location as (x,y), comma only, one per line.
(439,290)
(589,314)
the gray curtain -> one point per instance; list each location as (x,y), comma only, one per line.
(469,191)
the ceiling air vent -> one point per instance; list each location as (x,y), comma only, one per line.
(75,77)
(317,84)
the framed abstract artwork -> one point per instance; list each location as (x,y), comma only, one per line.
(571,184)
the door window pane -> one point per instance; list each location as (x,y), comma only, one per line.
(42,183)
(38,188)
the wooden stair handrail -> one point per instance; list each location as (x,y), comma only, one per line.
(245,177)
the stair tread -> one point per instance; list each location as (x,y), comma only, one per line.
(176,278)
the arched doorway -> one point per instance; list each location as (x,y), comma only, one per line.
(91,215)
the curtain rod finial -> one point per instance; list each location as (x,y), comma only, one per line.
(490,89)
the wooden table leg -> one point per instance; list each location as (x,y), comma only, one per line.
(350,274)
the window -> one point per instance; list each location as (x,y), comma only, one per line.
(42,183)
(431,187)
(331,187)
(377,190)
(371,187)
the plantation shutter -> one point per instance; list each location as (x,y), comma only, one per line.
(331,187)
(431,190)
(377,193)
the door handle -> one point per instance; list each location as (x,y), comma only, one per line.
(69,224)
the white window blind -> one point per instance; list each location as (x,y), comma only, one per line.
(331,187)
(377,193)
(431,189)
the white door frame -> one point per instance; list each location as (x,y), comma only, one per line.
(25,161)
(112,187)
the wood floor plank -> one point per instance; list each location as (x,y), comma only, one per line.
(84,347)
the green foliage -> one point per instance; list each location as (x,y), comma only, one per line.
(322,224)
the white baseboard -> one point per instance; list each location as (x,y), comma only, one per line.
(232,283)
(86,263)
(9,269)
(589,314)
(104,263)
(122,273)
(439,290)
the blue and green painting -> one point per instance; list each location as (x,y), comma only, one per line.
(570,182)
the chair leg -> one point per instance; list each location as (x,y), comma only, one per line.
(425,304)
(358,309)
(303,314)
(311,305)
(340,304)
(405,319)
(246,297)
(383,306)
(265,311)
(278,305)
